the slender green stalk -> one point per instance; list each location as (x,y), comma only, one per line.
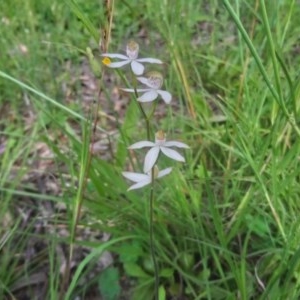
(140,106)
(151,197)
(146,118)
(151,235)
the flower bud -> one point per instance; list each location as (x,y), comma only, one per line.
(155,79)
(96,67)
(132,49)
(156,171)
(160,137)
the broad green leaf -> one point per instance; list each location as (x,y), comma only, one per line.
(109,284)
(161,293)
(134,270)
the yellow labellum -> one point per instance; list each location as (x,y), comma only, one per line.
(106,61)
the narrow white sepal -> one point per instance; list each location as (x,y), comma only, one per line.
(141,144)
(176,144)
(118,64)
(115,55)
(172,154)
(164,172)
(151,158)
(144,80)
(140,184)
(137,68)
(128,90)
(135,177)
(150,60)
(166,96)
(133,91)
(148,96)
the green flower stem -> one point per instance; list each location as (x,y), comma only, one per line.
(153,109)
(151,197)
(147,121)
(146,118)
(151,235)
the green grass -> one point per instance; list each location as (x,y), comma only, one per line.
(226,223)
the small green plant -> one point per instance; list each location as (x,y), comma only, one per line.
(109,284)
(153,81)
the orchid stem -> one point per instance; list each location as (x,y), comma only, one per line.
(151,200)
(146,118)
(151,235)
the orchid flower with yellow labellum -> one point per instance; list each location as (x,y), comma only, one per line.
(132,51)
(162,145)
(142,180)
(154,81)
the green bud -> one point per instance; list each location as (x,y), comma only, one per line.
(95,65)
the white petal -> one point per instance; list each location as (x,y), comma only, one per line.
(149,96)
(150,60)
(144,80)
(136,177)
(176,144)
(128,90)
(137,68)
(172,154)
(114,55)
(118,64)
(137,90)
(140,184)
(166,96)
(164,172)
(141,144)
(151,158)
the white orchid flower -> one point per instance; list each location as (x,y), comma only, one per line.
(132,51)
(159,145)
(142,180)
(154,81)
